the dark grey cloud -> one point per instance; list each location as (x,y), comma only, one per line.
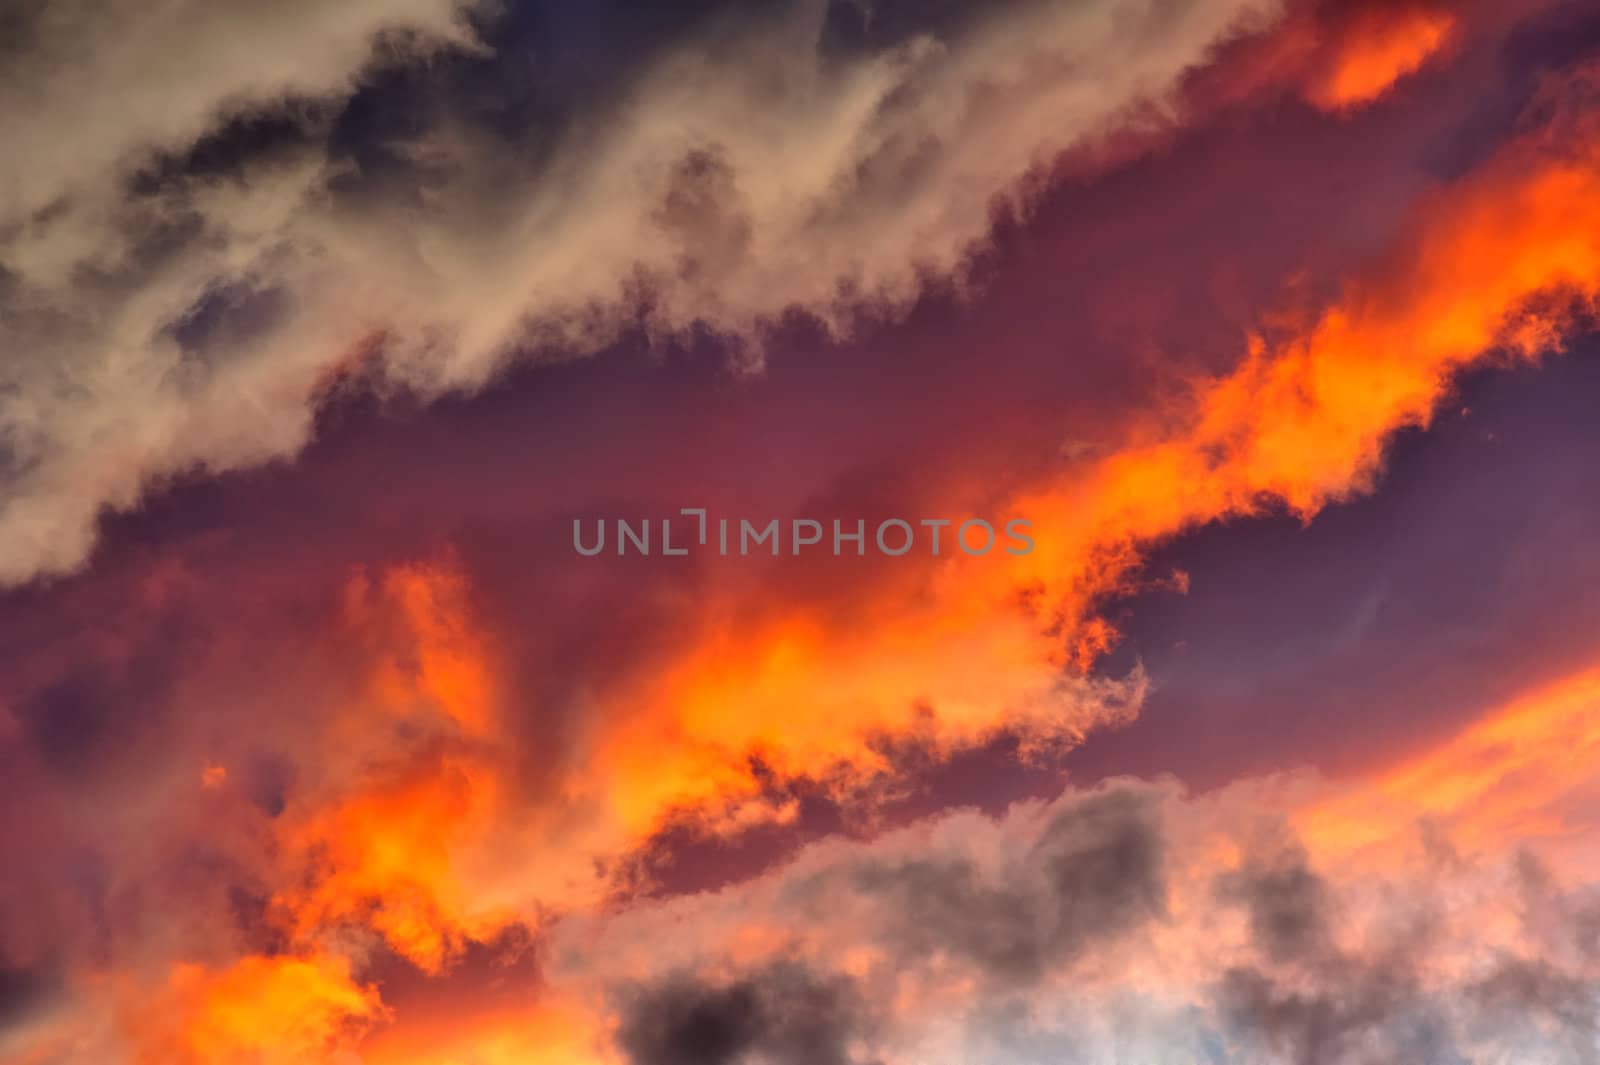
(1307,1002)
(783,1015)
(1533,989)
(1287,903)
(1094,872)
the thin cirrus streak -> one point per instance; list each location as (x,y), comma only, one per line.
(401,839)
(1518,777)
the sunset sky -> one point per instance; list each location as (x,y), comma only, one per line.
(324,324)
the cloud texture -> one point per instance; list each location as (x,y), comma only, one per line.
(167,317)
(320,743)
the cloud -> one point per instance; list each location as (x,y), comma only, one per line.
(783,1015)
(1094,870)
(102,260)
(95,91)
(1251,944)
(1380,47)
(996,911)
(390,788)
(1492,268)
(267,1010)
(1130,919)
(170,318)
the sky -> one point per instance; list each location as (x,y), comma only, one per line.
(1260,334)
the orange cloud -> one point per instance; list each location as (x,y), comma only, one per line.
(1375,51)
(1523,776)
(550,1032)
(1498,264)
(1336,59)
(416,784)
(810,699)
(258,1011)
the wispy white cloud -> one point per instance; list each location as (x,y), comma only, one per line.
(188,322)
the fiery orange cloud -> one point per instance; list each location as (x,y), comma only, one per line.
(382,847)
(1497,264)
(808,700)
(1337,60)
(422,834)
(432,657)
(384,858)
(260,1010)
(549,1032)
(1377,50)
